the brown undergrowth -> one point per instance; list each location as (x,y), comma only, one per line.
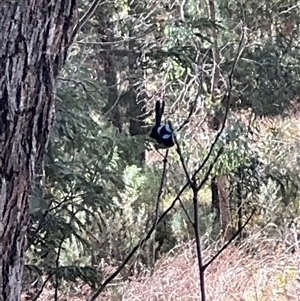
(258,270)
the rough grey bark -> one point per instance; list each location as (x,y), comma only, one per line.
(34,39)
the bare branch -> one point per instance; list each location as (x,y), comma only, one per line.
(85,18)
(138,246)
(43,286)
(160,191)
(186,212)
(229,241)
(226,97)
(190,183)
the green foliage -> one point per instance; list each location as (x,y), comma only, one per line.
(74,273)
(271,182)
(82,180)
(236,142)
(266,76)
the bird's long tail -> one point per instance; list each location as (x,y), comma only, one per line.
(158,114)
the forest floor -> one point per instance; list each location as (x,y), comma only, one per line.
(255,271)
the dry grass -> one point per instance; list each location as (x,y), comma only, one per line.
(270,274)
(233,276)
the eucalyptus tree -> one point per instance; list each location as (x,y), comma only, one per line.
(35,38)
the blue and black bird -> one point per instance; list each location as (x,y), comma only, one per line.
(162,133)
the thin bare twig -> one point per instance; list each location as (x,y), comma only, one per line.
(85,18)
(185,211)
(143,241)
(160,191)
(226,97)
(178,150)
(166,212)
(193,181)
(43,286)
(198,241)
(137,247)
(229,241)
(148,235)
(193,184)
(56,268)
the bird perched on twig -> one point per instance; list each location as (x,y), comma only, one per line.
(162,133)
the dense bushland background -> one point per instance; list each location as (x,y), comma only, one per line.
(96,197)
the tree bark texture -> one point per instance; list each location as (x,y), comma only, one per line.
(220,200)
(106,32)
(34,39)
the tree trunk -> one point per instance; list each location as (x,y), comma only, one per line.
(109,60)
(220,202)
(35,36)
(137,94)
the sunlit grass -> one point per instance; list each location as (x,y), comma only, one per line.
(270,273)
